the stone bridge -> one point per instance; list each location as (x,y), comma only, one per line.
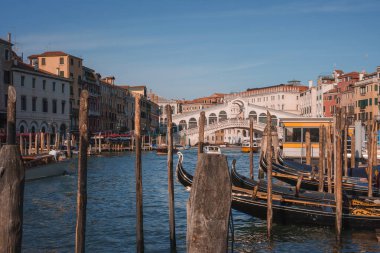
(234,114)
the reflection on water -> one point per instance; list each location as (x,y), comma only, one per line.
(50,206)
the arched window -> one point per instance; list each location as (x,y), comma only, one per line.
(22,129)
(192,123)
(252,114)
(263,118)
(212,118)
(222,116)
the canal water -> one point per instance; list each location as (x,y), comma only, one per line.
(50,212)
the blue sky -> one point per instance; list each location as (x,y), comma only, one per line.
(187,49)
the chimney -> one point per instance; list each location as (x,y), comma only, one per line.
(310,84)
(9,37)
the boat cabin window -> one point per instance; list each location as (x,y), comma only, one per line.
(293,134)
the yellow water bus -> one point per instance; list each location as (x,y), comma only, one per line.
(293,142)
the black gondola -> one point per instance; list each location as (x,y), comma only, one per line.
(292,211)
(351,185)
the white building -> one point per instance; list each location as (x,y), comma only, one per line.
(43,100)
(325,83)
(308,101)
(282,97)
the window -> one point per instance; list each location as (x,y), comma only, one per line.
(22,80)
(71,75)
(43,84)
(34,83)
(45,105)
(71,61)
(7,77)
(34,104)
(292,134)
(63,88)
(43,61)
(5,100)
(314,134)
(61,60)
(6,54)
(53,86)
(54,106)
(63,103)
(71,90)
(23,103)
(62,73)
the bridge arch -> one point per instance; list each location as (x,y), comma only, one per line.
(252,114)
(192,123)
(212,118)
(222,116)
(263,118)
(182,125)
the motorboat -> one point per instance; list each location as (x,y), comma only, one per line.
(212,150)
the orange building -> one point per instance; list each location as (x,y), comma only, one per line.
(64,65)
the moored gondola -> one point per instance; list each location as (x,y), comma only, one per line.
(310,181)
(291,210)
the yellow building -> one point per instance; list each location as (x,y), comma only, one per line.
(64,65)
(366,96)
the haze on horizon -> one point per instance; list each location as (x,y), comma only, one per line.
(188,49)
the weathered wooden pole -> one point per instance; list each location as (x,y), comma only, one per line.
(353,153)
(251,148)
(209,205)
(345,134)
(371,153)
(169,133)
(80,232)
(269,176)
(329,159)
(68,146)
(12,179)
(338,175)
(375,127)
(201,132)
(321,158)
(308,147)
(139,190)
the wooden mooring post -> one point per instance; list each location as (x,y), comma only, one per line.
(12,180)
(269,176)
(201,132)
(251,148)
(329,159)
(322,133)
(209,205)
(353,152)
(170,179)
(371,153)
(139,190)
(80,232)
(339,171)
(308,147)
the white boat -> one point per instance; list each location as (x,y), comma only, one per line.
(212,150)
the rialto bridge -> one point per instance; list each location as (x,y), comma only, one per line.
(232,117)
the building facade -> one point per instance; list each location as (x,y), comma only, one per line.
(5,79)
(43,99)
(308,101)
(282,97)
(67,66)
(366,96)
